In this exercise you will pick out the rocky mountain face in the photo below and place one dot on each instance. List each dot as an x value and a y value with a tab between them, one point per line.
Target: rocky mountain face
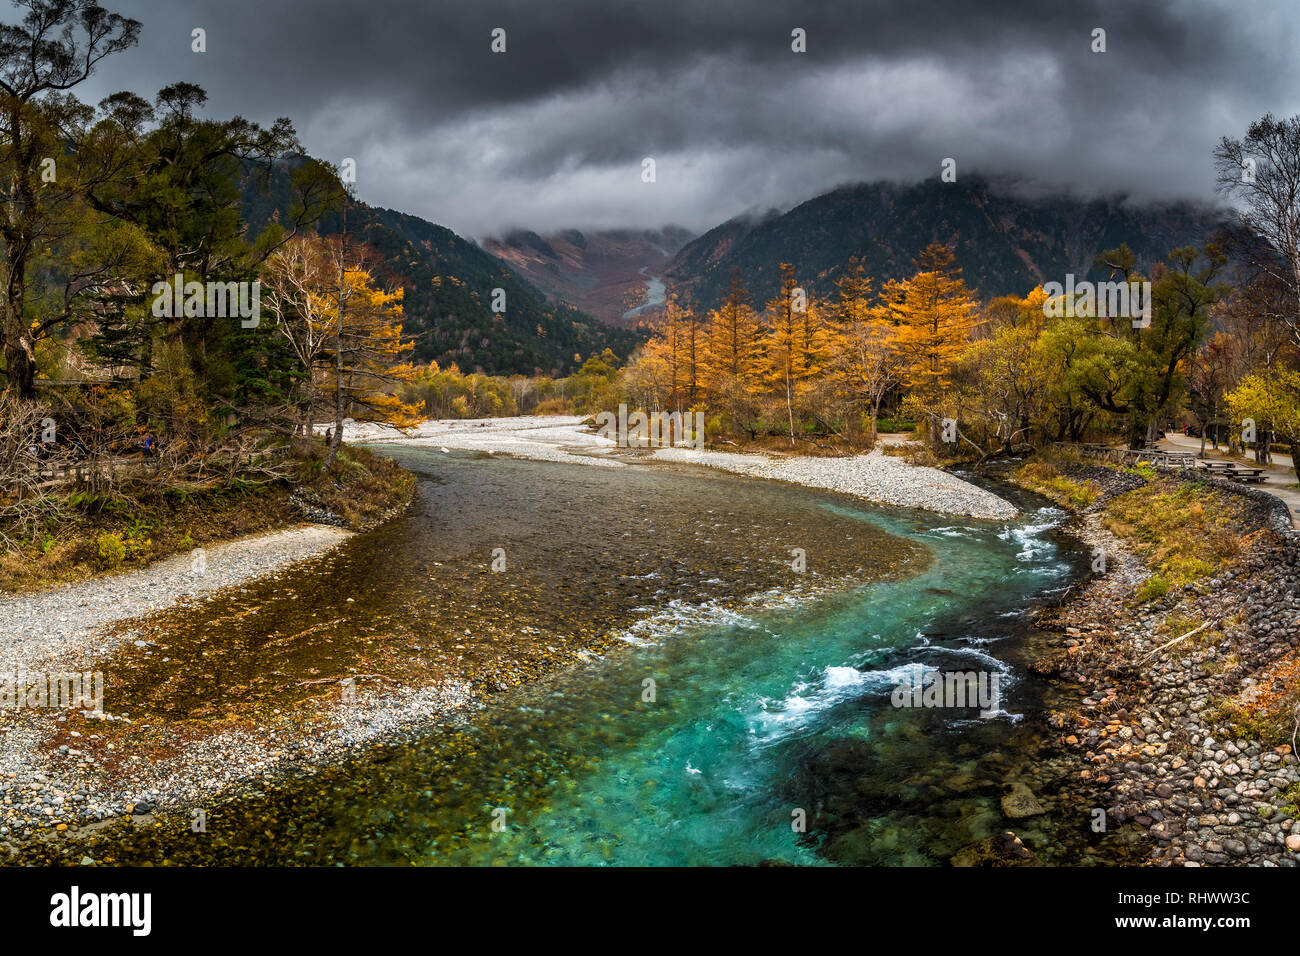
1006	243
610	274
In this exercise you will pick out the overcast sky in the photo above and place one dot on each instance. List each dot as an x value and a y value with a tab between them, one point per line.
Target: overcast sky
552	133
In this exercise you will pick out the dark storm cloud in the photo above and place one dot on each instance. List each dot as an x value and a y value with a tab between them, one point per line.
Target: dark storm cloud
552	133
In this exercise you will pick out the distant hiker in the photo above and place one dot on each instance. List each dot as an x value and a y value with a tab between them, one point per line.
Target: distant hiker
150	445
329	435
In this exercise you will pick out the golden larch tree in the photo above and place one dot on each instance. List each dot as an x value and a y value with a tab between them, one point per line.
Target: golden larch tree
934	314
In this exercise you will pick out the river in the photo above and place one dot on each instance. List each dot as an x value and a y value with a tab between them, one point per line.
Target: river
733	712
656	293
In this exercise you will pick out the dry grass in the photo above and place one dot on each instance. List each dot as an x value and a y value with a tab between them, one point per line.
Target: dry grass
103	535
92	535
1269	714
1042	476
361	487
1183	531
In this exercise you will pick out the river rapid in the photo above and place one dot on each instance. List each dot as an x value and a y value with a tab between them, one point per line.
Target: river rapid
721	656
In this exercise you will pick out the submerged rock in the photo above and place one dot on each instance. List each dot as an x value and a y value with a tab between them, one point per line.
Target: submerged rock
1020	802
1005	849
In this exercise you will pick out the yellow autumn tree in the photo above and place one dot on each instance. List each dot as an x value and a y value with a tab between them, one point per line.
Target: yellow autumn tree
365	354
673	358
934	315
795	343
345	332
694	345
300	296
734	355
372	347
1017	312
864	356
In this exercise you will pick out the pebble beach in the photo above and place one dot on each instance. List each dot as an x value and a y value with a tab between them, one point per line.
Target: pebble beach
873	477
1144	733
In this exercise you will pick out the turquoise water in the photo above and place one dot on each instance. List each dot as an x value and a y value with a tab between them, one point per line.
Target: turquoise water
770	735
755	718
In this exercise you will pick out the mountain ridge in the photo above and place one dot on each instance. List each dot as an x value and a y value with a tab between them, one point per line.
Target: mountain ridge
447	283
1005	244
603	273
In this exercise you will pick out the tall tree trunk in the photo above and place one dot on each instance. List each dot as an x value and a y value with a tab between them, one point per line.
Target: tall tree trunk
20	358
337	439
789	405
20	352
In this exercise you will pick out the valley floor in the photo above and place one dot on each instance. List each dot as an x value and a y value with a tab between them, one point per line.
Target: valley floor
873	477
1153	732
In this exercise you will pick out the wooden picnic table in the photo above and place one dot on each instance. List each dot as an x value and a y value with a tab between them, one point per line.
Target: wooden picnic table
1154	456
1235	472
1255	475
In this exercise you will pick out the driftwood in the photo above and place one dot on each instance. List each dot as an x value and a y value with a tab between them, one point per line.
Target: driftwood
1181	637
1005	451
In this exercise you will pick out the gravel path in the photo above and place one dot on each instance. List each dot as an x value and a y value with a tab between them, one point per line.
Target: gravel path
60	622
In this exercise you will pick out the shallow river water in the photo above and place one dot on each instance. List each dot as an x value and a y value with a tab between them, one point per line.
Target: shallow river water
716	705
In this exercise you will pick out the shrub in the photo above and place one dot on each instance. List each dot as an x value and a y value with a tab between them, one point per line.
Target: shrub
1270	713
1156	586
554	406
891	425
112	551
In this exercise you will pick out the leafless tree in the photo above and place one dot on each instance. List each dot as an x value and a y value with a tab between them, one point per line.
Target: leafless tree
1261	173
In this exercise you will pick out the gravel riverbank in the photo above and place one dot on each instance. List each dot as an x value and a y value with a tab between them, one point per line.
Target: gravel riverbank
49	785
53	625
874	477
1151	729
